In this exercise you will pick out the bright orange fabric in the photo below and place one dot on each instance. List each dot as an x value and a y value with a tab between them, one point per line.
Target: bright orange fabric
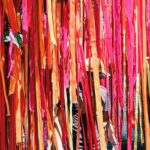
72	41
96	78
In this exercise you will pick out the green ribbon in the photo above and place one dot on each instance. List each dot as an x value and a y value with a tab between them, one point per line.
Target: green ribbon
17	39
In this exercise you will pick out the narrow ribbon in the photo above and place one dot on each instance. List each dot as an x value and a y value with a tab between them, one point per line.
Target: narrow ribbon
2	98
72	49
1	58
144	78
25	20
50	22
96	75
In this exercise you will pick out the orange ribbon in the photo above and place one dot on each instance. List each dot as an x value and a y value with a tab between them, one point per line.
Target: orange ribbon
72	41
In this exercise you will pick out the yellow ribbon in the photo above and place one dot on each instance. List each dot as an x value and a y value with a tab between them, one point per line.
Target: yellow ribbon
96	78
50	21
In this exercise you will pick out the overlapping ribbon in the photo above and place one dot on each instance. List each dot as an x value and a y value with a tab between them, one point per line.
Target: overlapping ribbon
35	77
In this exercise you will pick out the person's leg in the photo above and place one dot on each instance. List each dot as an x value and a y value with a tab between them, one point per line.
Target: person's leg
111	137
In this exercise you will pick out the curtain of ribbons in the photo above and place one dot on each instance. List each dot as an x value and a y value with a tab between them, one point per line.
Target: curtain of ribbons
43	47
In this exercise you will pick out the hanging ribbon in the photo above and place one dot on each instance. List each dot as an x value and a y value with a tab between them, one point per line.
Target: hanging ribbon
144	78
95	73
11	14
1	56
72	49
45	70
2	98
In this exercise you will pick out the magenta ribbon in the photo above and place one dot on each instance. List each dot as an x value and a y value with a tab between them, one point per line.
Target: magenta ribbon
131	68
2	100
25	21
32	96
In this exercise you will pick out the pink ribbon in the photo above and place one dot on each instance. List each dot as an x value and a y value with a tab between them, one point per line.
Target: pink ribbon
25	21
